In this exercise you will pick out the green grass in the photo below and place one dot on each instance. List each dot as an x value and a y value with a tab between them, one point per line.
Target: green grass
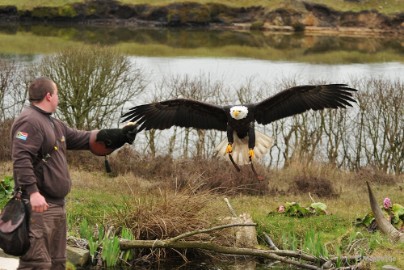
98	198
24	43
386	6
30	4
129	199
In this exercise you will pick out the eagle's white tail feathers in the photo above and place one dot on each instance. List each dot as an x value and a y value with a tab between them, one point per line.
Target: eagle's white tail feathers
240	147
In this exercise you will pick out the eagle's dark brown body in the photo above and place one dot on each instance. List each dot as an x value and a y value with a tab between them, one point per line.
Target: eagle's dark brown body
200	115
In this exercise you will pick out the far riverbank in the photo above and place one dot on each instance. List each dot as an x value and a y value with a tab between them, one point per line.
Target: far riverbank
291	16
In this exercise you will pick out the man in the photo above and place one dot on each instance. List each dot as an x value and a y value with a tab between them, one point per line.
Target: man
39	144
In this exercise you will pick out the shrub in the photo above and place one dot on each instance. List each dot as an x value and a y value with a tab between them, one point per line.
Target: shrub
95	82
314	185
199	174
5	146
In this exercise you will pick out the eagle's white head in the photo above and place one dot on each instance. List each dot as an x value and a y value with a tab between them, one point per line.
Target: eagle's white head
239	112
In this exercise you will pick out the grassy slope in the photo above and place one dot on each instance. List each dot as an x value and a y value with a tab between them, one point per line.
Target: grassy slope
127	198
105	195
386	6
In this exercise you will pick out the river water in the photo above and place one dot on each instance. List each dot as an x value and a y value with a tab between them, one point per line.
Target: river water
230	53
236	71
232	57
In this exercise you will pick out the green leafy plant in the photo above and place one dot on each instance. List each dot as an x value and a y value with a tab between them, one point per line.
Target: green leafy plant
84	230
293	209
6	185
110	251
70	266
100	232
127	234
392	212
314	244
338	253
6	189
397	211
290	241
311	243
319	208
93	245
105	244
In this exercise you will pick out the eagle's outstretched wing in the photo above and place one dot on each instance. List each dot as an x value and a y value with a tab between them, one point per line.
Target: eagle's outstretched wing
178	112
299	99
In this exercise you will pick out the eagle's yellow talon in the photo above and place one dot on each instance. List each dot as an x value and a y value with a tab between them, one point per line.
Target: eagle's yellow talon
251	153
229	149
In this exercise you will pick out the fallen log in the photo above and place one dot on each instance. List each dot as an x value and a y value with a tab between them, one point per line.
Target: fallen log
296	258
216	248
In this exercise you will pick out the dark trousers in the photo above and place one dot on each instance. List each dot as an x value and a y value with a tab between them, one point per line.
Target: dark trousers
47	233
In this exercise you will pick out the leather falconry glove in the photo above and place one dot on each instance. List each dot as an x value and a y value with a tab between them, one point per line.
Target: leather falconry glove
116	137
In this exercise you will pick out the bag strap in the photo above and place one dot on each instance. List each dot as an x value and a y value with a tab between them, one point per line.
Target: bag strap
42	156
17	193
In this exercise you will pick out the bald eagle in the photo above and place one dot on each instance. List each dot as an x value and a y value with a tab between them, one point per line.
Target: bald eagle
243	142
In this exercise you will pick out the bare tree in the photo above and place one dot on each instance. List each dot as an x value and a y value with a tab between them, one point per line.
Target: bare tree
202	89
95	83
381	125
12	99
12	89
371	133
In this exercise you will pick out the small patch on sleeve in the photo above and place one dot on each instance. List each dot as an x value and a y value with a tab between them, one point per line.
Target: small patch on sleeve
22	135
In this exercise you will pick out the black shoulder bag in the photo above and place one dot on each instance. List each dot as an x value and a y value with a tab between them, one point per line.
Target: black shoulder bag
14	234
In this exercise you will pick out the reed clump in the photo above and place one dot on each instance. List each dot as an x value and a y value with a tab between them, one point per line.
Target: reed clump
197	174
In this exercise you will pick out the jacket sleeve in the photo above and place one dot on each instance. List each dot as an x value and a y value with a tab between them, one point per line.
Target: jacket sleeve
26	142
76	139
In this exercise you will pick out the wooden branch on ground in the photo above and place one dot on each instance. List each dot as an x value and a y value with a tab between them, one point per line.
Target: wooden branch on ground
208	230
231	209
269	241
285	256
213	247
277	255
296	258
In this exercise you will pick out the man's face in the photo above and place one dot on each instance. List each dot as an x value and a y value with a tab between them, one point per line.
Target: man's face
54	99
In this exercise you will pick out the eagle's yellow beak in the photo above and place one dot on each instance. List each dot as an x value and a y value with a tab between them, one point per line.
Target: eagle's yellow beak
236	113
